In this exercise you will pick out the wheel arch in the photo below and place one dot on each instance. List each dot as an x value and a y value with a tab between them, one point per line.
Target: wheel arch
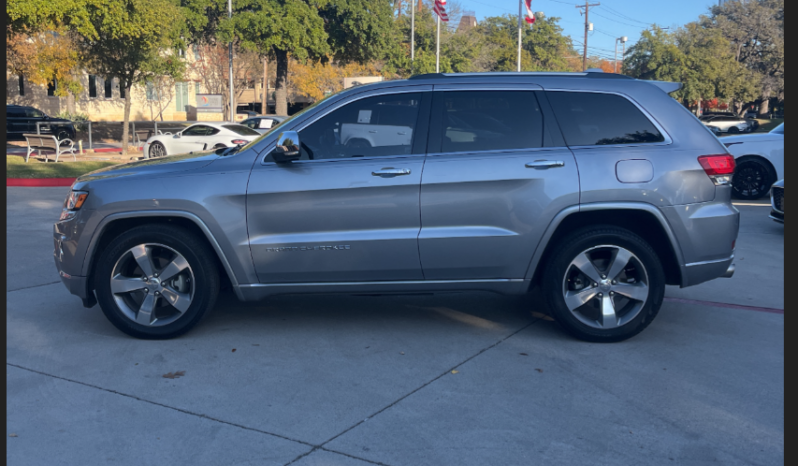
645	220
113	225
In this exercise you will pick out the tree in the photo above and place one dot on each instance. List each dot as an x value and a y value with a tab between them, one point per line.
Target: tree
212	67
132	41
43	58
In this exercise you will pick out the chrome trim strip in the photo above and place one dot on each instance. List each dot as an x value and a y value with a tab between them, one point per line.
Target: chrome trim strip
710	262
519	152
668	139
397	282
161	213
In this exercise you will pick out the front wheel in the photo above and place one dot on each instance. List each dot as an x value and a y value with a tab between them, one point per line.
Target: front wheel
157	150
734	130
604	284
156	281
752	180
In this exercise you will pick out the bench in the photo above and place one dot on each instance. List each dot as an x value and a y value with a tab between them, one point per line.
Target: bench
48	142
142	136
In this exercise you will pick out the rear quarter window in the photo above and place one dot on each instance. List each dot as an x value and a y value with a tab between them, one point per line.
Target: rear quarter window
595	119
241	130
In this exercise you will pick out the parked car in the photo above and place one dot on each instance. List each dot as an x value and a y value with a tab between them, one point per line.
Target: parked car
502	182
760	162
777	201
263	124
21	119
729	124
199	137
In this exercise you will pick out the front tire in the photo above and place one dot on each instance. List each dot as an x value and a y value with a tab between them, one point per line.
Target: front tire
604	284
156	281
752	180
734	130
157	150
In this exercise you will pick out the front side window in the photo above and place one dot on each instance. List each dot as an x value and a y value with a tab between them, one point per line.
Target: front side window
476	121
371	127
593	119
33	113
199	130
108	89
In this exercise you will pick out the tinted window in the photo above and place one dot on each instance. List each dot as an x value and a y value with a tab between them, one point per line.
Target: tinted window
15	112
242	130
33	113
199	130
489	120
591	119
375	126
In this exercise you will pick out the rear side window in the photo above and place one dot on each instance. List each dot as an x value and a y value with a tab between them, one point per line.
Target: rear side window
592	119
475	121
241	130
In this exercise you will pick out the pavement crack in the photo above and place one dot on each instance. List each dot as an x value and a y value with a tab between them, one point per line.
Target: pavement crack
184	411
32	286
448	371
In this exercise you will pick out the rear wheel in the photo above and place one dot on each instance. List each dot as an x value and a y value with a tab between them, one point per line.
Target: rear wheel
156	281
734	130
752	180
604	284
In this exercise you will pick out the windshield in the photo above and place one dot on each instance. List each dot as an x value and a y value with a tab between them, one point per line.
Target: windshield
778	129
241	129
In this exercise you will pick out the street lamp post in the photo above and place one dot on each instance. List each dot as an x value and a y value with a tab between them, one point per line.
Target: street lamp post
623	40
230	70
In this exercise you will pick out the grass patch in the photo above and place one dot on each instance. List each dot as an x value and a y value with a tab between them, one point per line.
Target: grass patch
17	168
766	125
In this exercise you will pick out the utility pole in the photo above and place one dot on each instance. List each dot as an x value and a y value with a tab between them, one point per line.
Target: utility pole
264	99
232	97
587	28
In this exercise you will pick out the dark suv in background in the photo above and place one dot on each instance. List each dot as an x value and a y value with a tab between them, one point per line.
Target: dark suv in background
21	120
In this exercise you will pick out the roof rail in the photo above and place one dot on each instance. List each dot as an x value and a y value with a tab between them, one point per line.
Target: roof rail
593	75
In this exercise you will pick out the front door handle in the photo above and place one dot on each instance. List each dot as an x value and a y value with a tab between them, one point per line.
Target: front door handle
390	171
544	164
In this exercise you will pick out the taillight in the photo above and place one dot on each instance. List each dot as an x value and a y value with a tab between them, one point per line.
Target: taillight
240	141
719	168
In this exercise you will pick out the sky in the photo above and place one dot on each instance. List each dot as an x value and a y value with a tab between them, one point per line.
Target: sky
612	19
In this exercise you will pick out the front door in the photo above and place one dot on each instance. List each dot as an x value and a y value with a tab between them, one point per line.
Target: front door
192	139
348	210
496	174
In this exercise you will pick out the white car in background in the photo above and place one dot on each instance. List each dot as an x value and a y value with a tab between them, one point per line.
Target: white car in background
760	162
729	123
198	137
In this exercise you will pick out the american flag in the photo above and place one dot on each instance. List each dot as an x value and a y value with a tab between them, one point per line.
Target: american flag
440	9
530	17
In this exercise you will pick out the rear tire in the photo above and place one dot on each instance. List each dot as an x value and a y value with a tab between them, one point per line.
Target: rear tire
733	130
136	301
603	284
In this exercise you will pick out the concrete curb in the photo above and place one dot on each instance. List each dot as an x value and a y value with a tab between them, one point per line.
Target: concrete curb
39	182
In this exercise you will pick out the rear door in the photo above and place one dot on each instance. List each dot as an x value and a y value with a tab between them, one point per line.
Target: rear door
496	174
348	210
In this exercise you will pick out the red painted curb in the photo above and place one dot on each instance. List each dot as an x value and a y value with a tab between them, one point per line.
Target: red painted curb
40	182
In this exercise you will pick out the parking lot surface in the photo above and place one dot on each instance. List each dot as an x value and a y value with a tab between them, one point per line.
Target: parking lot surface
445	379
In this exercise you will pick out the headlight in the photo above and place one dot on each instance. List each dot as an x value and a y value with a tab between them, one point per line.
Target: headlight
73	203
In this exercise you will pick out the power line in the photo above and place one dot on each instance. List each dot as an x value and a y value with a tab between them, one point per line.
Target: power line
623	16
620	22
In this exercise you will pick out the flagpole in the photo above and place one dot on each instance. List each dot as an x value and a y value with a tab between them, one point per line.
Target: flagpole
438	48
412	35
519	35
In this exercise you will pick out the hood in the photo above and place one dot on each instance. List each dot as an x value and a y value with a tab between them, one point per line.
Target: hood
149	168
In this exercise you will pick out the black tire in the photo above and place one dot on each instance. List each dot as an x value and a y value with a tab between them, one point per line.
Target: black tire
219	146
733	130
752	179
202	264
157	150
62	134
554	282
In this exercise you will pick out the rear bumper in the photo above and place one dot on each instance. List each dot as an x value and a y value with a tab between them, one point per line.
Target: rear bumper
693	274
777	216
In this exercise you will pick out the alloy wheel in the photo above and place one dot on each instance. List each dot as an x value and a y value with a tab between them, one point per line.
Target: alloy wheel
157	150
152	284
750	181
605	286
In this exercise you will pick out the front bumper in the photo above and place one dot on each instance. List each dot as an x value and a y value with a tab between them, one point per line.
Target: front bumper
77	285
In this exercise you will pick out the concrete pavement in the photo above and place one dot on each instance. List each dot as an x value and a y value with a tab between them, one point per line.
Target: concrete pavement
455	379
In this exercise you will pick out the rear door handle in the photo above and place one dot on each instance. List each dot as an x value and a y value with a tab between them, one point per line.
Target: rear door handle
544	164
390	171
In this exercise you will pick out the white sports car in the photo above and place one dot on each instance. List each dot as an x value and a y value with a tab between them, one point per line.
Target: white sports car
760	162
198	137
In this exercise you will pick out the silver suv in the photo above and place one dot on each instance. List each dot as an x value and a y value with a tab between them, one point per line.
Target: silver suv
597	188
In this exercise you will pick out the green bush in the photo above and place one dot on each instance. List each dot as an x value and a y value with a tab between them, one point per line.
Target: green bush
79	119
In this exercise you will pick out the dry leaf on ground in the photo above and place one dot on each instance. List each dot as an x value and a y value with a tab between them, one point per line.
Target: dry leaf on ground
174	375
539	370
12	435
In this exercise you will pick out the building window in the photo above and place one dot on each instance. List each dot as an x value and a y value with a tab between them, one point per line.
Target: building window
196	88
92	86
181	96
195	49
21	85
151	94
51	86
108	90
121	89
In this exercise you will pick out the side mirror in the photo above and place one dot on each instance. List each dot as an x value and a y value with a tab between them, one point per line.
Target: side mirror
287	147
179	135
